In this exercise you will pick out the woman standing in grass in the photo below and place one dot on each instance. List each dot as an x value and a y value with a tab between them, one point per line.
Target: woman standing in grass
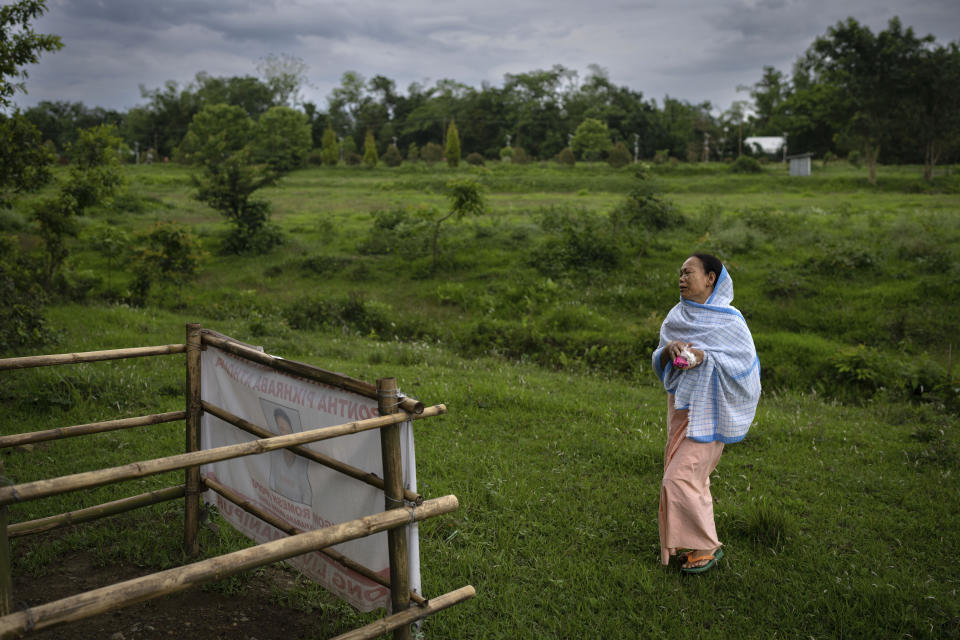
708	364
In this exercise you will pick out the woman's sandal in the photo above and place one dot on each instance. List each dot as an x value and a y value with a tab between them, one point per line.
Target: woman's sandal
711	558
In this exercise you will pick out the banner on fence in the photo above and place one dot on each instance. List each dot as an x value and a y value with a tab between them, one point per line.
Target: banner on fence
303	493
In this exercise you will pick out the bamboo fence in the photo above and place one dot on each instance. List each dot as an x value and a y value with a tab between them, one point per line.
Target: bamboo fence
402	506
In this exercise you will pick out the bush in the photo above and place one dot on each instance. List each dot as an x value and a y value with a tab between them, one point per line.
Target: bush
392	157
854	158
661	156
431	153
576	241
619	156
21	314
506	154
413	152
745	164
475	159
353	159
643	210
565	157
520	156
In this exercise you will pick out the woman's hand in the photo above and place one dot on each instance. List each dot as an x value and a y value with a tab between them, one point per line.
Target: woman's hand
675	348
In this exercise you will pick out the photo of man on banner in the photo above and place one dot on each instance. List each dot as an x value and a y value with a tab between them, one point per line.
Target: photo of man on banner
289	475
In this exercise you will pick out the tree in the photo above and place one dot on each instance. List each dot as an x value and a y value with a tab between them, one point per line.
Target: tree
619	156
285	75
453	145
282	139
94	178
591	139
24	160
935	96
871	78
330	150
465	200
370	150
168	253
218	141
20	45
392	157
215	133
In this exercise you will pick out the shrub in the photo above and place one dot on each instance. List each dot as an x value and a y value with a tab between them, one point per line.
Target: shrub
329	150
661	156
453	145
854	158
565	157
828	157
392	157
370	157
520	156
619	156
169	254
353	159
431	153
643	210
413	152
475	159
745	164
575	241
21	314
506	154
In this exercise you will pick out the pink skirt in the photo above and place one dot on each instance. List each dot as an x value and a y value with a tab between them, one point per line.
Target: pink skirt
686	506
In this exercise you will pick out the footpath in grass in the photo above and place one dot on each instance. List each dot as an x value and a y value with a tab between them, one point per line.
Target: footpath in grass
837	519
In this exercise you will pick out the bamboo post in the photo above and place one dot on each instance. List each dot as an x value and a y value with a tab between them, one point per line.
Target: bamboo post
6	581
390	451
191	507
130	592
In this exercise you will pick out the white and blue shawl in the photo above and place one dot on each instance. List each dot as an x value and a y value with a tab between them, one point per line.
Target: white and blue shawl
721	393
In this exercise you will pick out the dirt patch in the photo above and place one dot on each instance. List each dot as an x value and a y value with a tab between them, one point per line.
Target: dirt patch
197	614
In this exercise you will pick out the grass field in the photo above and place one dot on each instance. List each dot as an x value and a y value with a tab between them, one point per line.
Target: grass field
838	511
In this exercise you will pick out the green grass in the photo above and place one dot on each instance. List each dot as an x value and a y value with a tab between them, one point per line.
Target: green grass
837	510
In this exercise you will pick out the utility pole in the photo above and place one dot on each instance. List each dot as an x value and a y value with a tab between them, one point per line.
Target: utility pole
706	146
784	147
636	148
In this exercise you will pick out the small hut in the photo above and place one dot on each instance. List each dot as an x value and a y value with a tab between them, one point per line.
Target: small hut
800	164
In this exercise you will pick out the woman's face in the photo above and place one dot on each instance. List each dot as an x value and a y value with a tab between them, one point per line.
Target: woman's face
696	284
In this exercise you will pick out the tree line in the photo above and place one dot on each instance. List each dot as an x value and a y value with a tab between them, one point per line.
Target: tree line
889	96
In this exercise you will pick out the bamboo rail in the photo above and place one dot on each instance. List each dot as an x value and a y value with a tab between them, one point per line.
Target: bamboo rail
20	439
289	529
406	618
179	579
301	369
43	488
89	356
344	468
40	525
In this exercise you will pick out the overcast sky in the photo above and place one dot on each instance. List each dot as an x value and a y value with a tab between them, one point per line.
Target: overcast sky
687	49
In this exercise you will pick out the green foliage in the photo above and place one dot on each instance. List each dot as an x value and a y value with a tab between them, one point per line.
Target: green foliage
282	139
453	145
21	315
661	156
854	158
94	177
413	152
566	158
24	160
643	211
591	139
619	156
370	150
217	132
506	153
745	164
392	157
576	242
475	159
167	254
20	45
111	242
228	186
520	156
330	150
431	153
